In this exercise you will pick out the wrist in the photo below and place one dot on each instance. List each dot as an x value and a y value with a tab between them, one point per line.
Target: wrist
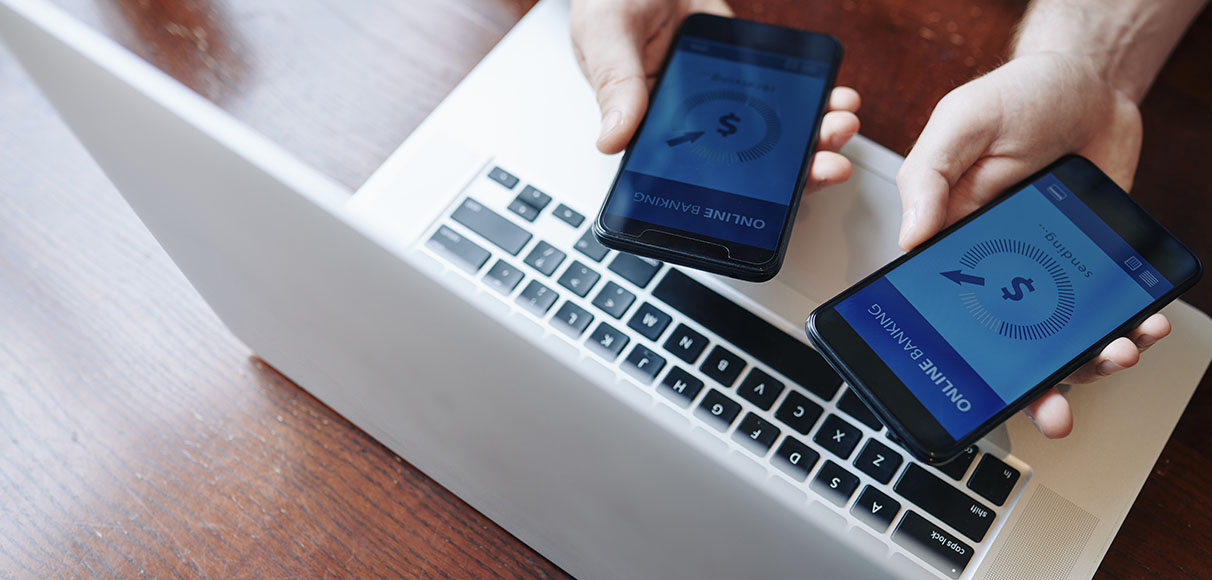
1125	41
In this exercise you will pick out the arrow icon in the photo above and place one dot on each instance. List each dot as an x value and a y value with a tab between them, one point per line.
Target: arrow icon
960	278
689	137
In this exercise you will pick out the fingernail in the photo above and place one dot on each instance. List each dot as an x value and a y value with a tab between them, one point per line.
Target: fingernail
1108	368
610	121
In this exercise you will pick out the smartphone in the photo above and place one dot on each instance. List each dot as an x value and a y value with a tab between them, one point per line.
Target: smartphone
953	338
713	176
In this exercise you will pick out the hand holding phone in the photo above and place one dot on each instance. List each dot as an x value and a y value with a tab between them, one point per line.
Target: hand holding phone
713	176
951	339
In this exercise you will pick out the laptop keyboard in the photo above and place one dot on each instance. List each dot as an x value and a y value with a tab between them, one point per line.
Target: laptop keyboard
727	369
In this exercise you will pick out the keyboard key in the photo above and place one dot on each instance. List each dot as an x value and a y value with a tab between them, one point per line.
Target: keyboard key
717	409
606	341
534	198
634	269
503	177
545	258
755	434
614	300
878	461
838	436
579	278
537	298
874	508
681	387
956	468
993	479
686	344
643	364
795	459
523	210
571	319
798	412
489	224
589	246
722	365
649	321
760	389
461	251
855	407
568	216
940	499
777	349
503	277
933	544
835	483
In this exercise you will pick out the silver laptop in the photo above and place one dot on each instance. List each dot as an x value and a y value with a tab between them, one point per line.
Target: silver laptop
625	418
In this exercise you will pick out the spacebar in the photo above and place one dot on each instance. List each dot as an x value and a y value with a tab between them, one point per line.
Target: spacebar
794	359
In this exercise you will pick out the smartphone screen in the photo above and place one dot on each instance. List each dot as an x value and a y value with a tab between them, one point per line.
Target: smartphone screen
974	321
721	155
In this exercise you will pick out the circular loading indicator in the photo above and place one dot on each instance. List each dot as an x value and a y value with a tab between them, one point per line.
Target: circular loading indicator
770	118
1060	315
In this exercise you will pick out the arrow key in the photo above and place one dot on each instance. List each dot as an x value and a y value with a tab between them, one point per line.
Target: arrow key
875	509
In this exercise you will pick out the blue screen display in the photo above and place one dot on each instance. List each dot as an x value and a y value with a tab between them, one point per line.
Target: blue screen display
977	319
723	142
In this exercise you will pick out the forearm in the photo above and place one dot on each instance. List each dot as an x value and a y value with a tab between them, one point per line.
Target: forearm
1125	41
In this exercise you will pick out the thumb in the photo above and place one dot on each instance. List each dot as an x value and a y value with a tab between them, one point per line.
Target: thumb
956	136
609	50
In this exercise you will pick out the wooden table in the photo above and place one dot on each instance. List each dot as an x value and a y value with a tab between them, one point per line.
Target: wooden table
139	437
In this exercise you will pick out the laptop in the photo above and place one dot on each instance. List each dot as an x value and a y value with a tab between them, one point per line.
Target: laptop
625	418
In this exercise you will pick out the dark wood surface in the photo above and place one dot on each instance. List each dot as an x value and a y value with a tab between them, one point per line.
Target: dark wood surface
139	438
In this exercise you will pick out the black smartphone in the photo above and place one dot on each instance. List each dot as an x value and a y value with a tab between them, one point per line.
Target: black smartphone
713	176
951	339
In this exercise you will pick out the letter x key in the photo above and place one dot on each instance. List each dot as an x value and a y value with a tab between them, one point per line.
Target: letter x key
837	436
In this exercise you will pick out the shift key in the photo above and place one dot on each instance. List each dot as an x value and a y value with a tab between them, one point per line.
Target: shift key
496	229
954	507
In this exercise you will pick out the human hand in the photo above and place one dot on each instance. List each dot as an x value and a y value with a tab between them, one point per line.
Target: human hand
620	45
994	131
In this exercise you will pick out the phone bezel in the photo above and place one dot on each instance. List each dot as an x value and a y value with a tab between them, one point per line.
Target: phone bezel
700	251
917	429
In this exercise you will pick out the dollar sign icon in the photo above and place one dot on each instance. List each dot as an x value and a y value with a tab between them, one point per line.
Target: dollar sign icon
1018	293
728	127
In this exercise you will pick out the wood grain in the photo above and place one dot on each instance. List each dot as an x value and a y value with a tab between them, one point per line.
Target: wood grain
137	437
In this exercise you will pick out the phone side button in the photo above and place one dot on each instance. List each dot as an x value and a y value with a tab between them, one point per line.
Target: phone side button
933	544
968	516
855	407
956	468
